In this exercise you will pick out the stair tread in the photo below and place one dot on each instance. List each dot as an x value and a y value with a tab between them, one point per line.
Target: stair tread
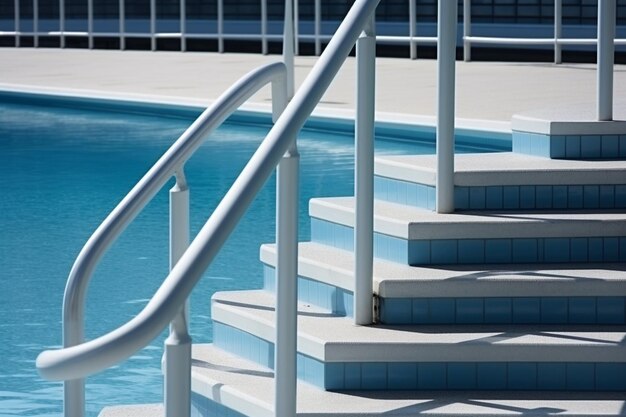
249	389
133	410
414	223
503	168
336	267
328	337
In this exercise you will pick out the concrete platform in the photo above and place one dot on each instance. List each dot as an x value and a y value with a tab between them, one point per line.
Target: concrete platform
394	280
405	89
416	224
503	168
336	339
248	388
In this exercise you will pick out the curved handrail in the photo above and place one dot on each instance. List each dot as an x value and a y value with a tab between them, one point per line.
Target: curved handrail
92	356
171	161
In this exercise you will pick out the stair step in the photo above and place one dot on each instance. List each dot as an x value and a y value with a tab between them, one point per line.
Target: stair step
560	294
504	181
219	378
419	237
336	354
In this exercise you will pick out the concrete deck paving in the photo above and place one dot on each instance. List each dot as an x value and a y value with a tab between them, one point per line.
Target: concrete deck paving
485	90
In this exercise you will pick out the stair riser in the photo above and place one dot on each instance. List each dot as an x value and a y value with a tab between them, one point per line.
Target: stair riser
336	300
503	310
570	146
513	197
476	251
505	376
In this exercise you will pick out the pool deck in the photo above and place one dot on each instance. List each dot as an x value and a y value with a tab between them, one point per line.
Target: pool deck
406	89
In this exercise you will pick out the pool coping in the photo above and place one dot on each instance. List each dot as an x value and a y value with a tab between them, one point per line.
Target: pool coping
335	119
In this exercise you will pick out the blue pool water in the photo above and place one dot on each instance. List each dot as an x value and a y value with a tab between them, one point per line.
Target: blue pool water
62	171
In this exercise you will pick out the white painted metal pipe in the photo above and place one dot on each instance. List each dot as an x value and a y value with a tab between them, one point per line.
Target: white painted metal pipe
122	13
36	23
153	39
112	227
264	27
467	30
412	19
220	26
183	26
296	27
286	284
318	27
288	47
16	11
90	23
177	347
446	57
364	175
62	23
558	30
606	58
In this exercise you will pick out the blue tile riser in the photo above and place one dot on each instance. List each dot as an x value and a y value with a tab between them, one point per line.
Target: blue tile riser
507	376
504	310
508	197
570	146
477	251
336	300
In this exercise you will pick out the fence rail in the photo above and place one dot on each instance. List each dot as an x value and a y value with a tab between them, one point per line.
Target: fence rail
317	36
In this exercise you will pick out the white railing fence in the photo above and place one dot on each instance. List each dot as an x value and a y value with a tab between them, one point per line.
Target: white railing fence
317	36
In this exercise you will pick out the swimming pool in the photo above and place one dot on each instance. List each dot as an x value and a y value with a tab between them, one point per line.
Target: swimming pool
62	169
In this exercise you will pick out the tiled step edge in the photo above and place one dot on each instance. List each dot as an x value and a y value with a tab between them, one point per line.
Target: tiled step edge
523	294
248	389
328	338
419	237
504	181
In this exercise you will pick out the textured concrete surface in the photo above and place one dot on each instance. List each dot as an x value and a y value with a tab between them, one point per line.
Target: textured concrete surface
330	338
391	279
489	91
503	168
244	385
400	221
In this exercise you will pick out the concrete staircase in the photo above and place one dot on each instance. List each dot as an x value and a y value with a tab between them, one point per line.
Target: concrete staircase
513	305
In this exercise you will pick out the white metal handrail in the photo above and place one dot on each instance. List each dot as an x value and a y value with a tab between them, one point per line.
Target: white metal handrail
79	359
101	353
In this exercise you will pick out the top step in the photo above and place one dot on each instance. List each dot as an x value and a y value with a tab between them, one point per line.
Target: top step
504	181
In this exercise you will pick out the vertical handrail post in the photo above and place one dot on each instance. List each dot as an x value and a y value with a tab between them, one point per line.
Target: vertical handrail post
467	30
16	11
296	28
364	174
220	26
177	355
122	13
288	47
264	27
606	58
287	192
183	26
36	23
558	30
318	27
62	23
446	57
412	18
153	25
90	23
